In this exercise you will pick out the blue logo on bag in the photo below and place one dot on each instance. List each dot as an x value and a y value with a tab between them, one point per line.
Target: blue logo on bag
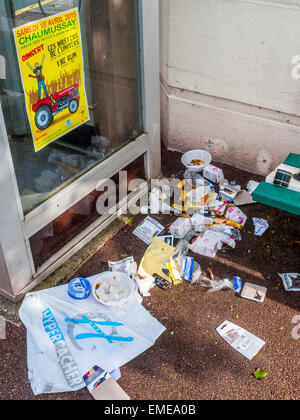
99	333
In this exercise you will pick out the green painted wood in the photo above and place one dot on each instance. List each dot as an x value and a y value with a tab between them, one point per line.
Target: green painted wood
293	160
280	198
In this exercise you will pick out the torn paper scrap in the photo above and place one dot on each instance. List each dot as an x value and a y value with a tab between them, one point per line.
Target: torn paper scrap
260	225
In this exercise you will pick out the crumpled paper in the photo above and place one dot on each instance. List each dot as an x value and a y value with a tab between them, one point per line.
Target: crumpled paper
260	225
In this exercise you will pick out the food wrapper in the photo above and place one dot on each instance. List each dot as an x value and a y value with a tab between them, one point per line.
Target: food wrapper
174	272
181	227
234	214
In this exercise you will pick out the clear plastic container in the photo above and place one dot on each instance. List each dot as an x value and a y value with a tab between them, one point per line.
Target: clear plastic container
214	286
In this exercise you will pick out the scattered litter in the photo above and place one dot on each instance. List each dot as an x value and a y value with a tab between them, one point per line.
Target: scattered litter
228	192
260	374
181	227
73	315
148	229
145	285
194	177
210	242
251	186
240	339
215	286
157	202
168	239
113	289
188	269
199	222
291	281
243	198
174	272
162	283
260	225
128	266
213	174
254	292
234	214
196	160
219	207
154	259
206	245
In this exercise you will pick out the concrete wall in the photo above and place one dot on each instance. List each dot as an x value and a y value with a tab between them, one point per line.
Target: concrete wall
226	79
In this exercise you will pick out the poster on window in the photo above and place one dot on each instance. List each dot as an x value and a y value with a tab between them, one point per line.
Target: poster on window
51	64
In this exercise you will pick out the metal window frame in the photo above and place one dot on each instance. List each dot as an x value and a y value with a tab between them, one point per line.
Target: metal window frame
16	228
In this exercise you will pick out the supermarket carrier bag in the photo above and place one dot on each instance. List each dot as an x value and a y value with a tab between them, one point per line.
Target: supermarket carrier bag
72	344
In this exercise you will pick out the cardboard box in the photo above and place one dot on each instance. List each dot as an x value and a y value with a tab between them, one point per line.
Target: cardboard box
228	192
213	174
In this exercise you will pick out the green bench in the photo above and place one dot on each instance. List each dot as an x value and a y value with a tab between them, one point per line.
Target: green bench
280	198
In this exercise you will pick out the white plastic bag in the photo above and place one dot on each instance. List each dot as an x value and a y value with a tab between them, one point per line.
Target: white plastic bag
68	338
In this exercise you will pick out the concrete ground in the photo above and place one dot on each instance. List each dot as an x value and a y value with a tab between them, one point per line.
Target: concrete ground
190	361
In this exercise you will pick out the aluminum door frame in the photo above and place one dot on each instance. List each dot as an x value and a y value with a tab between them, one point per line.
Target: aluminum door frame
16	228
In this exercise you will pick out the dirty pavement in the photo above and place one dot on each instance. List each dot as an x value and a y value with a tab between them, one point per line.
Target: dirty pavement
189	360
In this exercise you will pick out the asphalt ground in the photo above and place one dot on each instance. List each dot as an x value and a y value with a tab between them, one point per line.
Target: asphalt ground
190	361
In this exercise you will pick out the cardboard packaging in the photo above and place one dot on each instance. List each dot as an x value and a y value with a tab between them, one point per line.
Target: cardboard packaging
228	192
254	292
213	174
110	390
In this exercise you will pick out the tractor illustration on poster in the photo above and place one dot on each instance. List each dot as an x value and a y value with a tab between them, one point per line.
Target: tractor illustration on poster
45	109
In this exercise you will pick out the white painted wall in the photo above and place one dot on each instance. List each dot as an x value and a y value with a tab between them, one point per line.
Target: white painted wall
226	76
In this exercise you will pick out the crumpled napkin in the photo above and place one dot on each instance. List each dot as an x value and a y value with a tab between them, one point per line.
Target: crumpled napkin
260	225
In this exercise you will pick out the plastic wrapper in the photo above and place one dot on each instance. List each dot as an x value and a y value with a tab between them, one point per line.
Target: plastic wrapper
207	245
215	286
234	214
210	242
128	266
227	230
190	270
181	227
199	222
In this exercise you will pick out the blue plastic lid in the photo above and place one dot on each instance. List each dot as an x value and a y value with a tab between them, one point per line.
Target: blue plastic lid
79	288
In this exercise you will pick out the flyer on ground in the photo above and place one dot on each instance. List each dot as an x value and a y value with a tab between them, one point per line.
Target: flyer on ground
51	63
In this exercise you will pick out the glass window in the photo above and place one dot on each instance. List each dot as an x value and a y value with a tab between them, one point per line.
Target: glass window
53	237
109	36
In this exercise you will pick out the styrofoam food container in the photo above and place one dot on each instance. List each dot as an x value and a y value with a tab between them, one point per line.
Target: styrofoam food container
113	288
188	157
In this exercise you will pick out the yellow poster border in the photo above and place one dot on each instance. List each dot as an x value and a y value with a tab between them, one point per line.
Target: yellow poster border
22	79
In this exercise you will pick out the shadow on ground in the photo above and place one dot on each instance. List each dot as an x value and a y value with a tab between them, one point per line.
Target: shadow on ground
190	361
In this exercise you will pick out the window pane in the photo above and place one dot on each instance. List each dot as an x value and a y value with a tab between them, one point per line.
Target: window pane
109	36
70	224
